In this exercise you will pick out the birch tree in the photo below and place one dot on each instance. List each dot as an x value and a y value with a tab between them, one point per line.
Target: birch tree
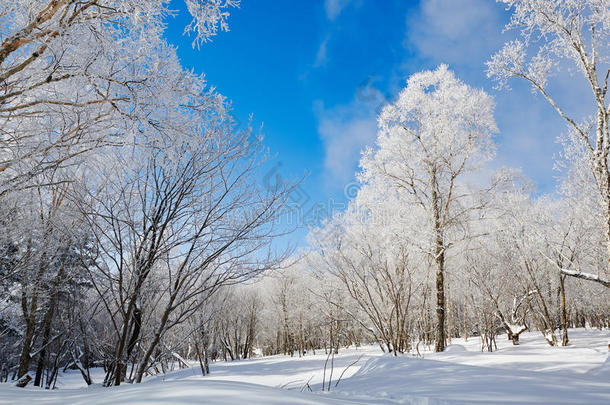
577	32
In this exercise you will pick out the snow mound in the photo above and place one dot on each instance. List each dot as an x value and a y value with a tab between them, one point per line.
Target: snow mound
455	349
377	365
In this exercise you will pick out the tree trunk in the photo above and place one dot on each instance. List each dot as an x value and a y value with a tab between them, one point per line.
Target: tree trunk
23	381
564	312
30	324
439	259
206	362
46	323
200	358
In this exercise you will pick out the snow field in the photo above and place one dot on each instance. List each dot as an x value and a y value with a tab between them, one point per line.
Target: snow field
531	373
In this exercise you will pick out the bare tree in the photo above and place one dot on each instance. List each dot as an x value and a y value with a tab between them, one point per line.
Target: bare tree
179	225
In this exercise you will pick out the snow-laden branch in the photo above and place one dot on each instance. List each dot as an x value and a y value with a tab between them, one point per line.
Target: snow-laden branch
587	276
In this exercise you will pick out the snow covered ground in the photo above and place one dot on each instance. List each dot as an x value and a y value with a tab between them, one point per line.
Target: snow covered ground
526	374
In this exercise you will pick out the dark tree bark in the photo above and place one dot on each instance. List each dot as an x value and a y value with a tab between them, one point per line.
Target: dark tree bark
564	312
439	259
47	322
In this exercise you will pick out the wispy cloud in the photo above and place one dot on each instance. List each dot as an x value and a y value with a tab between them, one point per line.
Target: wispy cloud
461	32
334	7
346	129
322	55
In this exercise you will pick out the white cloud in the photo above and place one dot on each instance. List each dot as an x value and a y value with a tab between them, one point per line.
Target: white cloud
334	7
461	32
346	129
321	55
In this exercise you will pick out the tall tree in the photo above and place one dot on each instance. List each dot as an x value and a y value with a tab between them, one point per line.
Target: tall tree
576	32
437	131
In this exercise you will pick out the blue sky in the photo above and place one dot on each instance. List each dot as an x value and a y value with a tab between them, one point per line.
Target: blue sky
314	73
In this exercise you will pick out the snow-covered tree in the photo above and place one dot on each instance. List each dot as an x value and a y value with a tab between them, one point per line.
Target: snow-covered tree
79	75
437	132
576	32
368	251
172	226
